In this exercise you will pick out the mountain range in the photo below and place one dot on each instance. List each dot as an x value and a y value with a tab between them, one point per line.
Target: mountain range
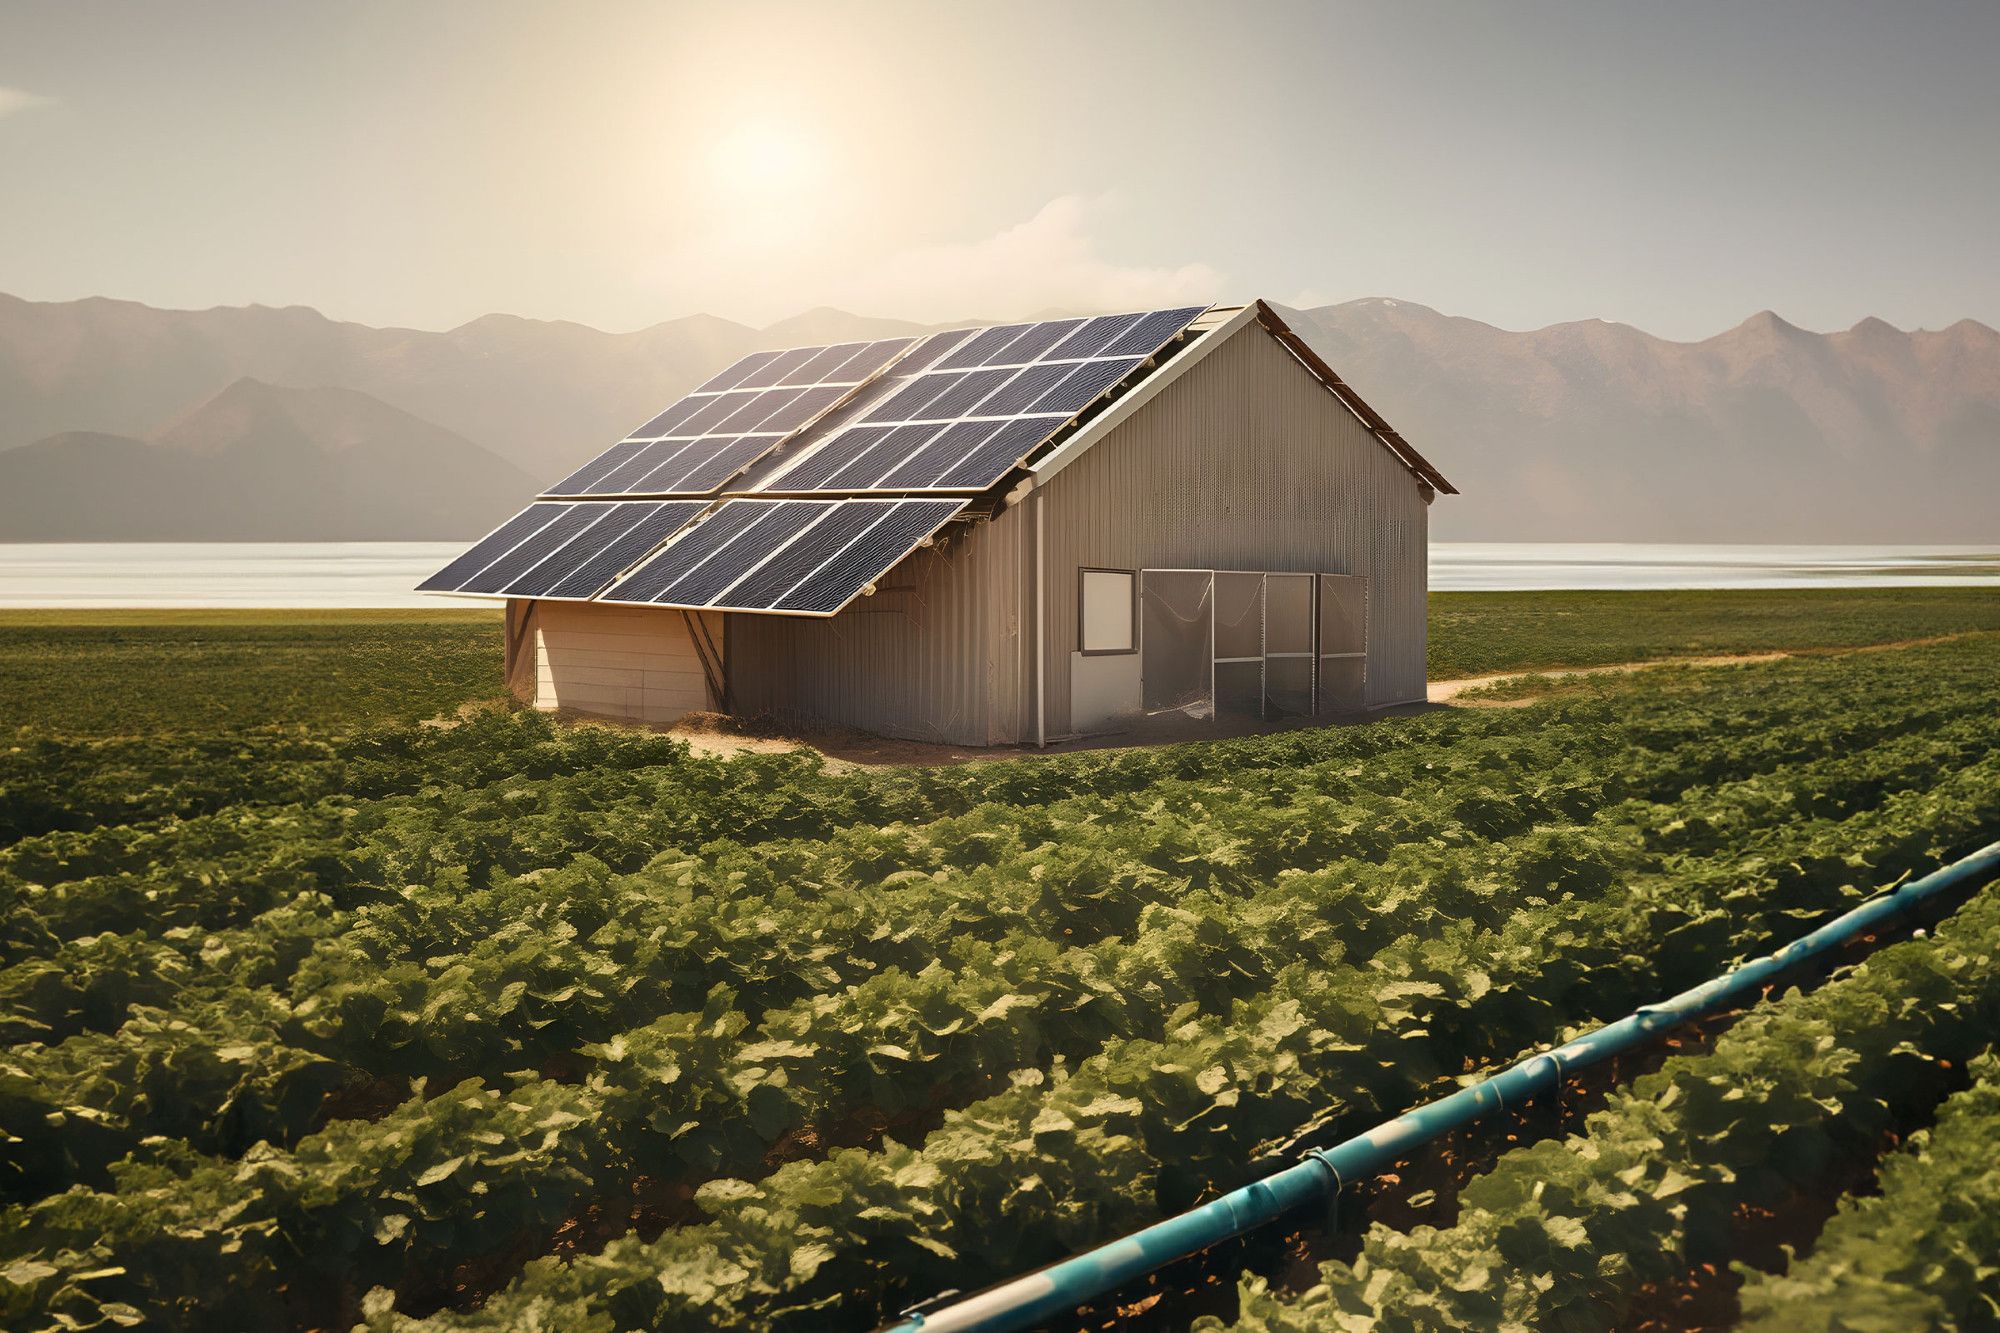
119	421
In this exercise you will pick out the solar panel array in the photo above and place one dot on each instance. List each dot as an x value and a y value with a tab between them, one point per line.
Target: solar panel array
730	422
563	549
962	409
805	557
955	412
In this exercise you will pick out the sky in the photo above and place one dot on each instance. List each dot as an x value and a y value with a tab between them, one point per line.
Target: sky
1672	166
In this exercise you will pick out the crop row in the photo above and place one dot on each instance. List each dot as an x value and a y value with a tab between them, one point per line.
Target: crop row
1585	1232
526	993
1922	1253
409	1194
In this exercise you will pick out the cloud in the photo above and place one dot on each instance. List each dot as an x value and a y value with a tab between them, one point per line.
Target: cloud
20	99
1049	262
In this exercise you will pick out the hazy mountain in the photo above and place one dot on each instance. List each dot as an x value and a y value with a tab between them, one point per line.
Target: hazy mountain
1597	431
260	463
1584	431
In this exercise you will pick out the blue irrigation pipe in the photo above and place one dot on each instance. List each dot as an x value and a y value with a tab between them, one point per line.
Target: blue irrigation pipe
1029	1300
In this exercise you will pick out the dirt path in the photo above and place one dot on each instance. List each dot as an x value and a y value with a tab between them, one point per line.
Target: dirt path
1445	691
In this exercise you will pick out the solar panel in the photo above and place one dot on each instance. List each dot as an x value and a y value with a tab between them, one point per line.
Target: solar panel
807	557
731	421
661	576
872	553
659	520
562	548
1043	373
491	547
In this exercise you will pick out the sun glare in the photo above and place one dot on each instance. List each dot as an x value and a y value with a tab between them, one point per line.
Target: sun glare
765	159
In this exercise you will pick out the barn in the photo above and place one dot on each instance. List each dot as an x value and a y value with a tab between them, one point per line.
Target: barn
995	536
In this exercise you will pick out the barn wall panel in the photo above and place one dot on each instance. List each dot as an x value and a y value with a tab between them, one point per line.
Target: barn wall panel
1244	462
629	663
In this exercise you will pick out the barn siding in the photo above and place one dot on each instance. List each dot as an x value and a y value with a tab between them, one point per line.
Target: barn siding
934	655
1244	462
620	662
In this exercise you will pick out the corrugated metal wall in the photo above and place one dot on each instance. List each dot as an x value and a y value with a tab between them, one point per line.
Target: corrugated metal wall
1245	462
934	655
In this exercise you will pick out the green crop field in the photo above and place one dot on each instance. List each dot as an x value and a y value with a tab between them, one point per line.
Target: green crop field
320	1013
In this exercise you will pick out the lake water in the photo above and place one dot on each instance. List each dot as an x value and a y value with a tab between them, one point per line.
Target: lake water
381	574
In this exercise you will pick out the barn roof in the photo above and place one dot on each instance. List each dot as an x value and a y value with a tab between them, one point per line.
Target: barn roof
793	480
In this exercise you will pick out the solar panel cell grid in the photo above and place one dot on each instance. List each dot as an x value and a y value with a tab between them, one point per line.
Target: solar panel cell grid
1019	394
816	468
490	548
733	374
537	547
866	472
1035	342
908	402
1095	335
713	412
650	459
658	576
927	352
894	532
813	547
1084	384
959	398
747	417
664	423
1145	337
821	365
923	467
778	370
865	362
577	481
660	521
608	523
719	465
993	457
708	582
984	347
808	404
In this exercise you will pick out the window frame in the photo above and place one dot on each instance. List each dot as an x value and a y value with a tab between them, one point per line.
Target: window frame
1131	611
